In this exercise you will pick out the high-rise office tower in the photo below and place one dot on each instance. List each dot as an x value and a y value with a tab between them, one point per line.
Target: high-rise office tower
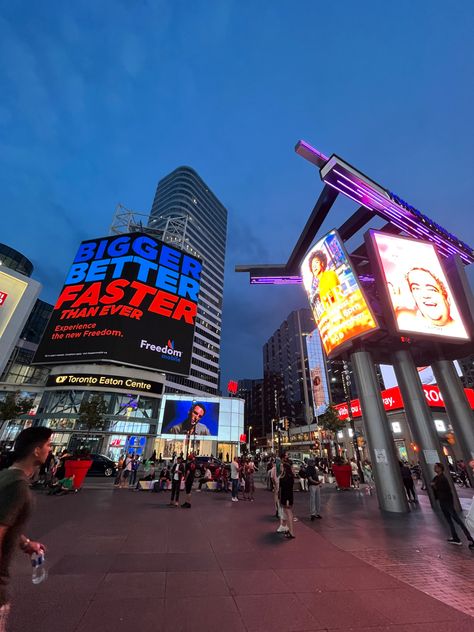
191	218
287	386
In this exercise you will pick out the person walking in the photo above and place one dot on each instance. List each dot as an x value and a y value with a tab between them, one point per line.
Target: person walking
408	483
274	477
126	471
235	477
314	484
120	463
287	482
355	474
189	471
444	495
275	473
134	470
177	472
31	450
250	479
368	476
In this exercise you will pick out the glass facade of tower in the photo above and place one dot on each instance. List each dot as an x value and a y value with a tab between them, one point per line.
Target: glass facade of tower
182	196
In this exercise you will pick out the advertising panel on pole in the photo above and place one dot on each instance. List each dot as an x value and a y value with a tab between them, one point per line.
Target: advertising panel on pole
130	299
317	371
417	290
425	372
340	309
183	417
18	294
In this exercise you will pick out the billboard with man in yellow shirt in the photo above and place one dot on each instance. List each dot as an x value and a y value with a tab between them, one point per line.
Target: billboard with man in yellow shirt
340	309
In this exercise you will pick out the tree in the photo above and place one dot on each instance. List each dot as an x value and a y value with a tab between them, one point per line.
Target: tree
13	406
92	413
330	420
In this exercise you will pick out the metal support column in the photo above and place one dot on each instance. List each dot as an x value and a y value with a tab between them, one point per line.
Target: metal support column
420	422
388	480
459	411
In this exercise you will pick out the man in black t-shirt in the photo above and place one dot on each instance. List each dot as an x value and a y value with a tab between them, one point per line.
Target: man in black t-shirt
189	480
444	495
31	450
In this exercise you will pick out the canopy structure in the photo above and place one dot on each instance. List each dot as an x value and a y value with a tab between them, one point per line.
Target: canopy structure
373	200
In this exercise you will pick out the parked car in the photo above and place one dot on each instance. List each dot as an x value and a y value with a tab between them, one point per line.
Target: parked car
102	466
207	461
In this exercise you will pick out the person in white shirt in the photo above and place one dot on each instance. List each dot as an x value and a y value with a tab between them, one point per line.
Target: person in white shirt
235	477
207	478
355	474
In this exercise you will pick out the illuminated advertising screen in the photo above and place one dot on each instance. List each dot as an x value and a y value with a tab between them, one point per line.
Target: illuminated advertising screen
130	299
11	291
317	371
339	307
425	372
416	287
196	417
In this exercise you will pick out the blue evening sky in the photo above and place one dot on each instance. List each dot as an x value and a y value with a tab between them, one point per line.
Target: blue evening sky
99	100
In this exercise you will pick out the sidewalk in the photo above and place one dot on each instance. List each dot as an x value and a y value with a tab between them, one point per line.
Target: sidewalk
120	560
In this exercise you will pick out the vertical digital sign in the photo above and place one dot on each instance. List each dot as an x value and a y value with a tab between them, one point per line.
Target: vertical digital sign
418	293
317	371
130	299
339	307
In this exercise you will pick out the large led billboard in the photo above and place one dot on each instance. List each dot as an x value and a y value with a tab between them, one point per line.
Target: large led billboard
416	287
18	294
339	307
130	299
11	291
195	417
317	371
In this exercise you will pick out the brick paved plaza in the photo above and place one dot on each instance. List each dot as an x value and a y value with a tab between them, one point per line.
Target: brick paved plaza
120	560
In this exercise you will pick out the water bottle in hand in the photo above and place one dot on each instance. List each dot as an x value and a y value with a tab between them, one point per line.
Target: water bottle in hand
38	564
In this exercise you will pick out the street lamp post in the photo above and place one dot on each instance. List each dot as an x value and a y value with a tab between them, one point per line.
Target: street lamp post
346	383
250	440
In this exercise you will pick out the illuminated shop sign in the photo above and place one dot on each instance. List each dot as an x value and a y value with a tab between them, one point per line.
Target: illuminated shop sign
130	299
416	288
96	380
339	307
392	400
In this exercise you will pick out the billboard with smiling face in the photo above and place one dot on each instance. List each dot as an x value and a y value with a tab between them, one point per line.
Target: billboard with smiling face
416	288
130	299
340	309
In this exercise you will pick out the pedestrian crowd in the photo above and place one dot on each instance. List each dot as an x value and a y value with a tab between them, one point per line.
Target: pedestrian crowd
33	460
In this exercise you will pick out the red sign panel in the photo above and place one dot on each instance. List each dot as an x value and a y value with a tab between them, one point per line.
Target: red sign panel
392	400
232	386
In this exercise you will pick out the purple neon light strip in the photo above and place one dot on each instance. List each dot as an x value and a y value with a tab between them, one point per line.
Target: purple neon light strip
314	151
372	193
399	212
381	201
394	217
281	280
369	208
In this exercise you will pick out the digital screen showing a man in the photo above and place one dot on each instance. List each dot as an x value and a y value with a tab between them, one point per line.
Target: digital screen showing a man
194	418
339	307
419	291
